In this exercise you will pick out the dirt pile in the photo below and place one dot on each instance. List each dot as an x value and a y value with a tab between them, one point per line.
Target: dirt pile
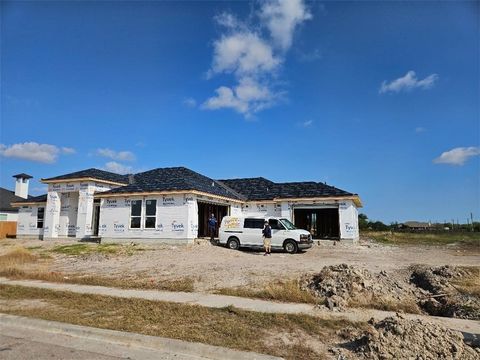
399	338
343	285
435	290
443	297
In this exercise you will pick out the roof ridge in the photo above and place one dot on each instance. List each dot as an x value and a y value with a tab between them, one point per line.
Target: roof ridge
248	178
94	173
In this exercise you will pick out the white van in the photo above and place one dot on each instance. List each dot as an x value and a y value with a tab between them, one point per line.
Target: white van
238	231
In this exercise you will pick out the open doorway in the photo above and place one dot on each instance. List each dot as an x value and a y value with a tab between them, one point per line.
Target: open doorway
96	217
204	212
321	223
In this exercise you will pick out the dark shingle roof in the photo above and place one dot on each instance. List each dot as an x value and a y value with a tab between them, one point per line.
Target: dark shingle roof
183	179
7	197
174	179
93	173
33	199
263	189
252	188
309	189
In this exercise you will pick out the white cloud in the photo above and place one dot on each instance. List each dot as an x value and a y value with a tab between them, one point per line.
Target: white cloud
44	153
118	168
229	21
225	98
457	156
408	82
420	129
246	98
190	102
116	155
242	53
68	150
282	17
253	53
307	123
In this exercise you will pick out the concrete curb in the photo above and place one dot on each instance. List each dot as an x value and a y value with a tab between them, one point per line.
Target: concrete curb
116	343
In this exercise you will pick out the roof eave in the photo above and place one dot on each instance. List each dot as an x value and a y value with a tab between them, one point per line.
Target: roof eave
19	204
355	198
55	181
171	192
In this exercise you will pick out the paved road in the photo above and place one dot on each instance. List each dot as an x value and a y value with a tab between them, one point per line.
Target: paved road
15	348
219	301
23	338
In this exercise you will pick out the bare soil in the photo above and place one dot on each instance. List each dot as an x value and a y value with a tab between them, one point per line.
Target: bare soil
387	339
383	271
439	290
214	267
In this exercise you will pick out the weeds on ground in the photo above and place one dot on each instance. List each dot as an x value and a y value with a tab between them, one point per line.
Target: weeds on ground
12	266
284	291
230	327
470	283
39	247
87	249
182	284
16	258
465	239
370	301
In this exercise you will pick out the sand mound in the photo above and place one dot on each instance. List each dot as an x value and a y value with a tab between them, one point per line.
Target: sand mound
431	289
399	338
343	285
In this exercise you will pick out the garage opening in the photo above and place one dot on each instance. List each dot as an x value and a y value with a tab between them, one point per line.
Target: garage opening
321	223
204	211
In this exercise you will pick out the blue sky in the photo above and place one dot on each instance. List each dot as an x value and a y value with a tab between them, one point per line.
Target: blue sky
377	98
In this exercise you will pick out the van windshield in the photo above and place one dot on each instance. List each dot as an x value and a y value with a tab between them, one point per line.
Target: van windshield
288	224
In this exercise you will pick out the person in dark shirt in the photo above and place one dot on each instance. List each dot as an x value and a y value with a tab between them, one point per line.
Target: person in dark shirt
267	238
212	226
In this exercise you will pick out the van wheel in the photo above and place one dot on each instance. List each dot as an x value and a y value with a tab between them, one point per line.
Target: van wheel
290	246
233	244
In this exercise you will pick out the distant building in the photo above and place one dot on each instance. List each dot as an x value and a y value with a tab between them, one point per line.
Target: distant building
416	225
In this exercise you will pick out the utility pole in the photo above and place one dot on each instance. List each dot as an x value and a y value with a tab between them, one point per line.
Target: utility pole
471	218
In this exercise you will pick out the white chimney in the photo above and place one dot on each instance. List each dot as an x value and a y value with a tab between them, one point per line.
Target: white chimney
21	185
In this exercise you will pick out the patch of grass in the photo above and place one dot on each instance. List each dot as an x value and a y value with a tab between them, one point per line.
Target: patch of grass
372	302
284	291
229	327
87	249
466	239
74	249
186	284
34	247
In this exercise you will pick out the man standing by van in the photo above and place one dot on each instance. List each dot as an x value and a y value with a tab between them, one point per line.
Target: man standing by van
212	226
267	238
